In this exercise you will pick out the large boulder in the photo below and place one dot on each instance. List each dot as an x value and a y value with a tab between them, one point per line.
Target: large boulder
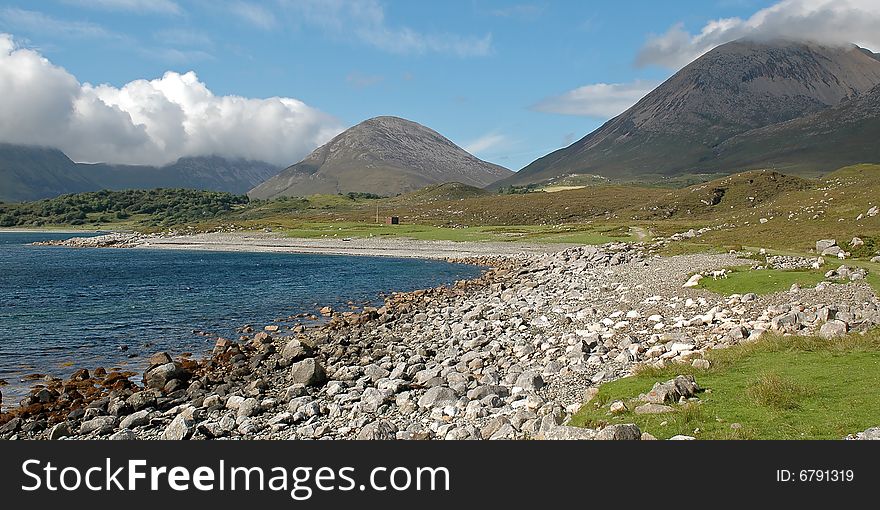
833	329
438	396
179	429
824	244
160	375
296	350
308	372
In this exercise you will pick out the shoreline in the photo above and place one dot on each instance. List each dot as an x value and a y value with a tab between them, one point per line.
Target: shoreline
511	354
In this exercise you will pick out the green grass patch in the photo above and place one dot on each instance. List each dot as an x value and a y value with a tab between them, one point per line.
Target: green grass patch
776	388
574	234
761	281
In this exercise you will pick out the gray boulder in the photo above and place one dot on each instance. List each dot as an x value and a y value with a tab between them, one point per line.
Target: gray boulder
832	329
308	372
179	429
438	396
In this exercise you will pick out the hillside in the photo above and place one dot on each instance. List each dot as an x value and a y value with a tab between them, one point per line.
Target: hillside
845	134
385	156
32	173
735	88
213	173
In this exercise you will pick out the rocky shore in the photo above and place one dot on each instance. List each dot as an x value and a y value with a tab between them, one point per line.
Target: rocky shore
509	355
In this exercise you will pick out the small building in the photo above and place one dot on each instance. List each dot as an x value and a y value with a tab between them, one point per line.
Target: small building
392	220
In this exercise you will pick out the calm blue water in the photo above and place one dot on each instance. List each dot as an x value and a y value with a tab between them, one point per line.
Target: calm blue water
63	306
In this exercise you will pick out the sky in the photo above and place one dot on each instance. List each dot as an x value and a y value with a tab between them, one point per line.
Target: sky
149	81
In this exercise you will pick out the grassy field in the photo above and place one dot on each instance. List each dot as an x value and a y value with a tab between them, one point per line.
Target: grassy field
762	281
576	234
776	388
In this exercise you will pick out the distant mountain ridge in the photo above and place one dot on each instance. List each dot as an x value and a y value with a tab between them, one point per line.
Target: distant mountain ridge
382	155
32	173
734	88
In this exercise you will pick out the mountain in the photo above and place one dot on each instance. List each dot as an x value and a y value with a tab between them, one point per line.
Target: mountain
839	136
736	87
213	173
32	173
382	155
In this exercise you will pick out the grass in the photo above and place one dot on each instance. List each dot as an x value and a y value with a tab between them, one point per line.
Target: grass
776	388
762	281
575	234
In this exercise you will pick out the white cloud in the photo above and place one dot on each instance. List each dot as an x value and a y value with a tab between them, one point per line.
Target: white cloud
253	13
834	22
148	121
140	6
364	20
600	100
485	143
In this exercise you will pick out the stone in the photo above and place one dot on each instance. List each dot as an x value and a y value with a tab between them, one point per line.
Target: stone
135	419
142	400
481	392
160	358
248	408
294	350
693	281
681	437
650	408
622	432
380	430
833	329
567	433
124	435
618	407
100	425
308	372
60	430
529	381
856	242
700	363
824	244
179	429
438	396
662	393
161	375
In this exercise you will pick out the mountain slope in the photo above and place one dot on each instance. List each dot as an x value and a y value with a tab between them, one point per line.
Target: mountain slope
734	88
207	173
385	156
843	135
31	173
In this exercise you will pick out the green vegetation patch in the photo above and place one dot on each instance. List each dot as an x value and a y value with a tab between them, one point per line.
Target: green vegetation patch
761	281
145	208
776	388
574	234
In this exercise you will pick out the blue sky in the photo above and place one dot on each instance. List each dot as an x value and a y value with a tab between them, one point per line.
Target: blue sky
500	78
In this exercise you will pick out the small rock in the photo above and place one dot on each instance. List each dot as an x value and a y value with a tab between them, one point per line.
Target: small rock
623	432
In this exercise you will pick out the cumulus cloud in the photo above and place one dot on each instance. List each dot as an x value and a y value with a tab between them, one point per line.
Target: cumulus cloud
140	6
835	22
599	100
148	121
365	21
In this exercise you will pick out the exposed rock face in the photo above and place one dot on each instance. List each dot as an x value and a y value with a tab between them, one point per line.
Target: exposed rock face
385	156
735	88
